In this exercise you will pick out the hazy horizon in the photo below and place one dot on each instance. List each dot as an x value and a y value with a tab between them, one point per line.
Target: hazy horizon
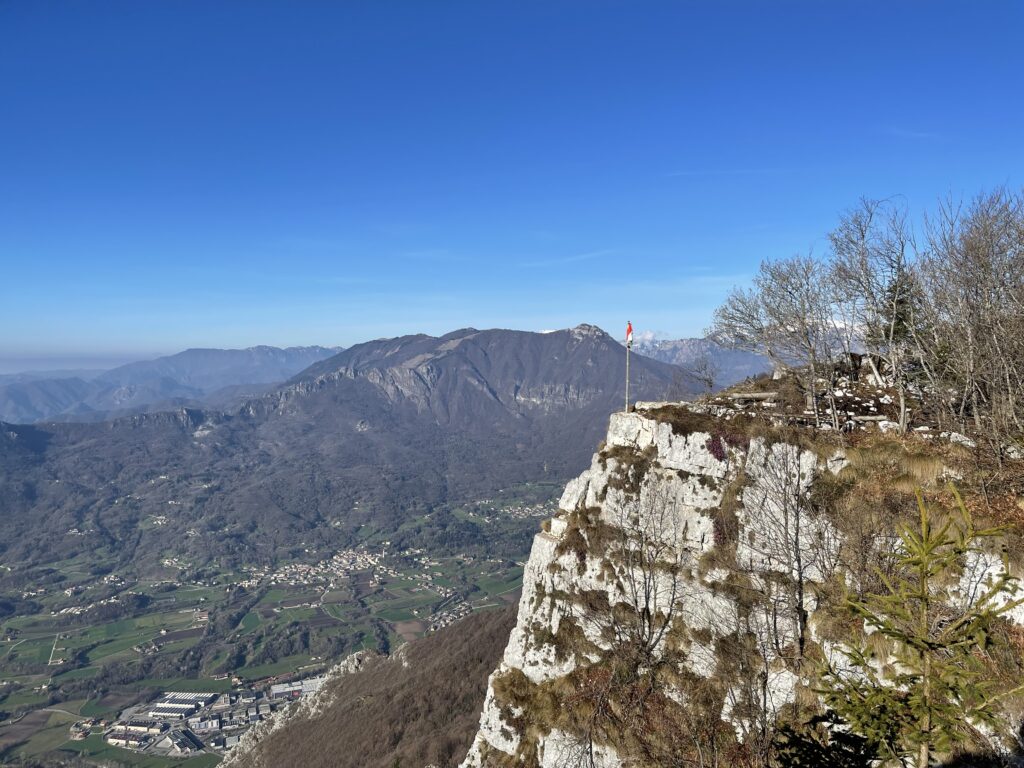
72	364
194	174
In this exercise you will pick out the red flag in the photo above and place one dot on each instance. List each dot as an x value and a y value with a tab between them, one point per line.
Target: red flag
629	334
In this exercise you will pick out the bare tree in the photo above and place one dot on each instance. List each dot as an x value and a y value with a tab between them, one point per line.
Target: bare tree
970	328
788	317
645	552
703	369
872	247
649	557
788	543
951	318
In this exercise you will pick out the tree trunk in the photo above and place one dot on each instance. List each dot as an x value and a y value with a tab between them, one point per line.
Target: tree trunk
874	369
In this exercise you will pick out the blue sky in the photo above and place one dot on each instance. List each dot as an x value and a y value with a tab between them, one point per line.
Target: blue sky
182	173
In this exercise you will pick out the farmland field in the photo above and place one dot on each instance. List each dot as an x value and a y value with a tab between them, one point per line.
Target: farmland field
95	644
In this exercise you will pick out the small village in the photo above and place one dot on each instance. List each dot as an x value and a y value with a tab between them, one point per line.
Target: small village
488	510
329	573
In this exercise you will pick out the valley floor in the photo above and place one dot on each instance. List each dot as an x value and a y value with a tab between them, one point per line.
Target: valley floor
99	644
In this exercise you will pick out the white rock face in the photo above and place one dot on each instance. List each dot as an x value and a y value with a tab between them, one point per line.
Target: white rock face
683	487
561	750
521	653
782	537
493	733
704	499
982	571
958	439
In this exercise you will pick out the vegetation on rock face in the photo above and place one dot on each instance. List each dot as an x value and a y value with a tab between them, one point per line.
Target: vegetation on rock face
932	686
813	622
780	591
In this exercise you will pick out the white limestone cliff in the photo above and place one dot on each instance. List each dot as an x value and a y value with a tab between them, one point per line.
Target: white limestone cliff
732	511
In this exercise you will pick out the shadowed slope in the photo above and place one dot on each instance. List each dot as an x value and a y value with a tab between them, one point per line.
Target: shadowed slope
420	707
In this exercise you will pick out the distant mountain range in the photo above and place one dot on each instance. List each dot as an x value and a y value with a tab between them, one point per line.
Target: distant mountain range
195	377
365	440
66	373
726	366
219	378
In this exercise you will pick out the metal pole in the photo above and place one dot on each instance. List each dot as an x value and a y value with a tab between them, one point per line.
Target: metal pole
627	377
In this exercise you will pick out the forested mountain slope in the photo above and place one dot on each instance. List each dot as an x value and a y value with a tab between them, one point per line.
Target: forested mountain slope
372	435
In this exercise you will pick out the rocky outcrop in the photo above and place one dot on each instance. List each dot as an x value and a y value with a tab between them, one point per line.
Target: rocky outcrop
692	552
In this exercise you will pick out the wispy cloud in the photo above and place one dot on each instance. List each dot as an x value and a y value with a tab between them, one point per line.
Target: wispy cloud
575	258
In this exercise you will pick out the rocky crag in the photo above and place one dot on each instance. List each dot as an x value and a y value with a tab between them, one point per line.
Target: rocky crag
691	588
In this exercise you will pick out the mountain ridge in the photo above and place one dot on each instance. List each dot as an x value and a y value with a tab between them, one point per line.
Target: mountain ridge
398	425
721	365
190	377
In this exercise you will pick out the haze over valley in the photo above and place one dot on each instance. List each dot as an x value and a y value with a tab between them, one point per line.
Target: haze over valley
193	377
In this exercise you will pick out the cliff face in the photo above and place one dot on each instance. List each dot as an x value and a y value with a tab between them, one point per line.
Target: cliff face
689	583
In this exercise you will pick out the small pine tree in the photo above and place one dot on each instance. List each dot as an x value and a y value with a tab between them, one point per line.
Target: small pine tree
938	686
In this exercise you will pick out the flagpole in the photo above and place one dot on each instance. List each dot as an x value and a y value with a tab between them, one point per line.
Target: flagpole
627	378
629	344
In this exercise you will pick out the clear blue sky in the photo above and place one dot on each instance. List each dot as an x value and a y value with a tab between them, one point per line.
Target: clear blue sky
197	173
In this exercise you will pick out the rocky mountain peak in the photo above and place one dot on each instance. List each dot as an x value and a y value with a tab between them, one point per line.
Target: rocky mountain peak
586	330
